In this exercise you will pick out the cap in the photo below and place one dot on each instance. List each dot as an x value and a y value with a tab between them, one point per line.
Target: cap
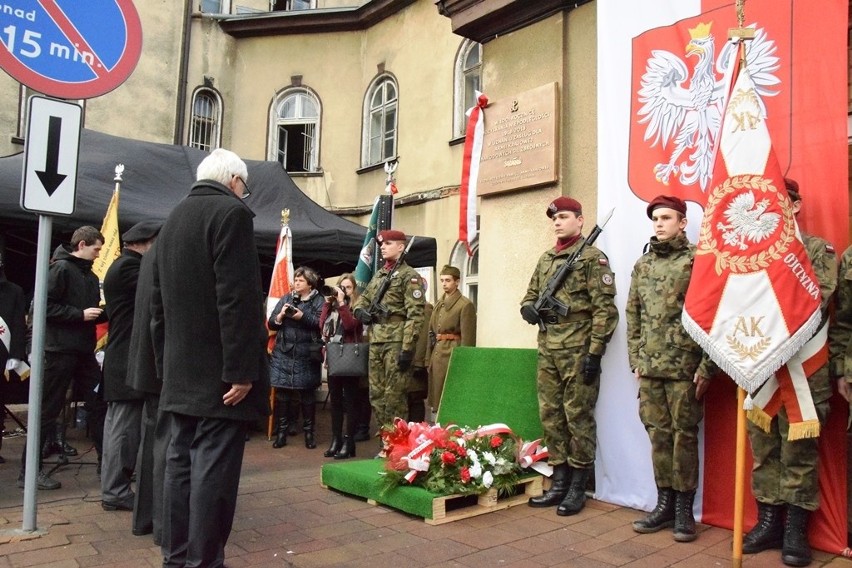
564	204
450	270
144	231
390	235
792	189
667	201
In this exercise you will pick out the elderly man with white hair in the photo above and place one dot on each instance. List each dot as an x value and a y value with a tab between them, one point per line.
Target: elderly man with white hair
209	342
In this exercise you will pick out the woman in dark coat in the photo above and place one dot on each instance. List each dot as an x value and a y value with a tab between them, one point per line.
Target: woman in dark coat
296	359
338	324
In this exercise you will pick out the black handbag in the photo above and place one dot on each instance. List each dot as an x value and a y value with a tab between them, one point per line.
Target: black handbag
346	359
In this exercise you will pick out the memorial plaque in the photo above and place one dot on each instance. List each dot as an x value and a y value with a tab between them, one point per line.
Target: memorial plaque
520	146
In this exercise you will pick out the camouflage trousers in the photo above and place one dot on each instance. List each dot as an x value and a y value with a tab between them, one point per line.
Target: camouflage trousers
388	385
671	414
566	406
786	471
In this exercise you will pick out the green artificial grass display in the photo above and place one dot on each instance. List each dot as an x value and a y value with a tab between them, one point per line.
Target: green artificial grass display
489	385
483	386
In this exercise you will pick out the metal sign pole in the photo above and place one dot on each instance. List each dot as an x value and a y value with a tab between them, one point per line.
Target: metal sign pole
45	227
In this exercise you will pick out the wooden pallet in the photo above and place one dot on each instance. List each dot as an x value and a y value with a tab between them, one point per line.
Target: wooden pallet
450	508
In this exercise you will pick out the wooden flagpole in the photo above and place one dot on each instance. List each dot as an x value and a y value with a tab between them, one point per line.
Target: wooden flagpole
742	33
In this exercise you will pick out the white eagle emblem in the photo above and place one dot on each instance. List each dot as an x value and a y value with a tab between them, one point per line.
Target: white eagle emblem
747	221
691	116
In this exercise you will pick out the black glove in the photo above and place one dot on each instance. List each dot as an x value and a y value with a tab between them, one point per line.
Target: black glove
591	367
363	316
404	359
529	314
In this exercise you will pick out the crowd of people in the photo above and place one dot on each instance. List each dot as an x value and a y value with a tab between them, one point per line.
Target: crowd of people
186	369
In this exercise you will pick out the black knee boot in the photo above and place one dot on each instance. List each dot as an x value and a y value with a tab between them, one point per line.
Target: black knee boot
662	516
768	532
336	429
309	408
575	499
281	433
559	482
796	550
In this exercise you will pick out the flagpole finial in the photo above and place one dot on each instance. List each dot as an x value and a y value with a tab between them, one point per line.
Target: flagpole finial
741	32
285	217
390	168
119	170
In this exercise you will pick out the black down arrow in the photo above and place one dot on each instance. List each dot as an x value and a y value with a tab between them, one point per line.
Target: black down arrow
50	178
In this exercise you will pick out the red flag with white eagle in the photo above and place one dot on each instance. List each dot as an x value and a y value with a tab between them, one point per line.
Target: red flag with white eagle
754	300
474	134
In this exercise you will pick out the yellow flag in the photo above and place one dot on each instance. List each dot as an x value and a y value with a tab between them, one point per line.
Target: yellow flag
112	247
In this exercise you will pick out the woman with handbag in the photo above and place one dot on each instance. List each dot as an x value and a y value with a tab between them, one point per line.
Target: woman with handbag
295	367
341	331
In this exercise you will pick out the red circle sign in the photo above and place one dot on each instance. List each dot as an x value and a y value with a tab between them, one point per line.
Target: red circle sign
68	48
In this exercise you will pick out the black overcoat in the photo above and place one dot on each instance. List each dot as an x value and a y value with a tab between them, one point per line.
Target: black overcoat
208	307
13	308
120	296
141	368
292	366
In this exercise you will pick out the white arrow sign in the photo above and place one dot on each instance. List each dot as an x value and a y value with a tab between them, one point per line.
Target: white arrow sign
50	156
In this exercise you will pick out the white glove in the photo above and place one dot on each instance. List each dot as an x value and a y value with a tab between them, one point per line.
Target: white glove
12	363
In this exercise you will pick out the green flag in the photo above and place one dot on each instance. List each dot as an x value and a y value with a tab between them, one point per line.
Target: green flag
367	258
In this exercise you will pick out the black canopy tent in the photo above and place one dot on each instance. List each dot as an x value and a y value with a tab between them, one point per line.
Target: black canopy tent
156	177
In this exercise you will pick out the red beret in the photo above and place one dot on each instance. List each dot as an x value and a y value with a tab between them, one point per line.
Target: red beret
667	201
391	235
564	204
792	189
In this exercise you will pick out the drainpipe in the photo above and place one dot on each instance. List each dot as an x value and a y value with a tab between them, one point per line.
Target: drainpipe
180	110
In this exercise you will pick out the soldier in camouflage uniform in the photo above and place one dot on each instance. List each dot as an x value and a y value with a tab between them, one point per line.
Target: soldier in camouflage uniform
784	474
569	355
840	365
672	371
393	335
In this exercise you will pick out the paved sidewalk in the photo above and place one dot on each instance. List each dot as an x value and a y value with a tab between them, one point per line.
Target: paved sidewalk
285	518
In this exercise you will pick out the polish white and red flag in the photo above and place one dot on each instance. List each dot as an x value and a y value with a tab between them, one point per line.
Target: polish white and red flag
474	134
282	275
754	299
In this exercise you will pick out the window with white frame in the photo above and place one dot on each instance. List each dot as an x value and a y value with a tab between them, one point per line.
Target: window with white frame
214	6
205	120
294	129
468	265
468	80
380	121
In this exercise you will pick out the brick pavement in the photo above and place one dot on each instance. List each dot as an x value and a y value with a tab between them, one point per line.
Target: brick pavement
285	518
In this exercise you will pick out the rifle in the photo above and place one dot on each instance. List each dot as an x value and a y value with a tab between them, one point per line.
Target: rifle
376	308
546	300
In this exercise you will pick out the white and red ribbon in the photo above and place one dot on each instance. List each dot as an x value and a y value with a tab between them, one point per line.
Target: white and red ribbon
474	134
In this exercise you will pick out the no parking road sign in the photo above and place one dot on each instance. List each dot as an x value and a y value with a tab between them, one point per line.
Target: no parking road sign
71	49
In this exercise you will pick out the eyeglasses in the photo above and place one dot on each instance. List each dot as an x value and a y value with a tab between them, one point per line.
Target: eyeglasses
246	191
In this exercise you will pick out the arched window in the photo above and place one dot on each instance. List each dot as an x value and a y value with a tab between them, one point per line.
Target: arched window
380	121
294	130
205	131
468	80
469	267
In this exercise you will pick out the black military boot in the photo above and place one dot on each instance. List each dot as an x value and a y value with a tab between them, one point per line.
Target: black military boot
559	482
796	550
768	532
61	442
575	499
663	515
281	433
684	525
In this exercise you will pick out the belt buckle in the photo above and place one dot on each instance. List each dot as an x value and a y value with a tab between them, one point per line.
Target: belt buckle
551	319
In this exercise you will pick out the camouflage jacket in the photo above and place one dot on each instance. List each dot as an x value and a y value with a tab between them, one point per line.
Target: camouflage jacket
840	333
824	260
657	344
404	301
589	294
